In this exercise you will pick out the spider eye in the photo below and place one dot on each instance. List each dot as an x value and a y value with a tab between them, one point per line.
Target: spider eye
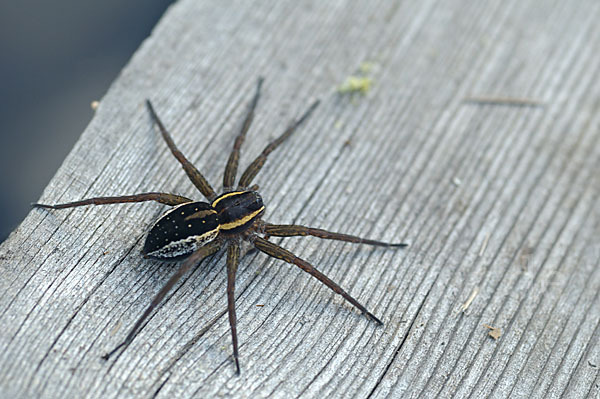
257	199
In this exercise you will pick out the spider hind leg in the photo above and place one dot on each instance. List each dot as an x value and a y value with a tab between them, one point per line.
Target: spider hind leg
233	255
192	172
255	167
192	260
290	230
234	157
278	252
163	198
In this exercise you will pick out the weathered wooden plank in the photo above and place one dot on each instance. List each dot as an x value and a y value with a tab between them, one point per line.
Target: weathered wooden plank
496	200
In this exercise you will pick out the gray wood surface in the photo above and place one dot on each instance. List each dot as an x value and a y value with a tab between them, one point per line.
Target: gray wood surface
499	202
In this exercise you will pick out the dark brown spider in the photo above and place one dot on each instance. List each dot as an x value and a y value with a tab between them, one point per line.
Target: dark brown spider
198	229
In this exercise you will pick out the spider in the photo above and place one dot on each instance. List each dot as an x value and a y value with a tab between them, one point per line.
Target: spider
193	230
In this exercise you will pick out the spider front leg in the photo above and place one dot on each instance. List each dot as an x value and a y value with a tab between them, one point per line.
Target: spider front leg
194	174
192	260
258	163
280	253
233	256
234	157
290	230
163	198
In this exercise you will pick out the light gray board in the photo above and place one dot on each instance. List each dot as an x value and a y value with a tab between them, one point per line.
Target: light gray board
499	198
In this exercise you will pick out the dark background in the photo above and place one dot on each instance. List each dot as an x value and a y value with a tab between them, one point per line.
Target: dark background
56	58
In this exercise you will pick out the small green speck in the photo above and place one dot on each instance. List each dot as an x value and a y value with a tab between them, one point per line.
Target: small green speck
355	84
366	67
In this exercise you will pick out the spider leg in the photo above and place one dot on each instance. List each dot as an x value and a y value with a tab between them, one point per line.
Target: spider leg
233	255
258	163
234	157
192	260
163	198
280	253
289	230
194	174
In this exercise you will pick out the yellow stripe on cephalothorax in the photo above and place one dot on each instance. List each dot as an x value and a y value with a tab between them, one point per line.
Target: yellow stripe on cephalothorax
231	194
242	221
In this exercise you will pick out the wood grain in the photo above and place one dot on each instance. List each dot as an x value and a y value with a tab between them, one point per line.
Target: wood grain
495	198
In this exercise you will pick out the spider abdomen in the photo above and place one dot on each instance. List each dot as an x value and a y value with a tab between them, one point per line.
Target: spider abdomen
181	231
238	210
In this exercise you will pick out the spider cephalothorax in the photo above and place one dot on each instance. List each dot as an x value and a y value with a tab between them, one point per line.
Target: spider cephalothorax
194	230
